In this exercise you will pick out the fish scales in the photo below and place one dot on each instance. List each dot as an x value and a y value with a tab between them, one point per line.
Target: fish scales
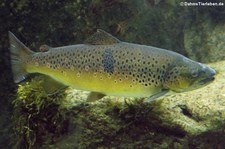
118	68
130	69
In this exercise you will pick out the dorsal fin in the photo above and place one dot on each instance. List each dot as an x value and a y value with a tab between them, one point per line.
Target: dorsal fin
44	48
101	38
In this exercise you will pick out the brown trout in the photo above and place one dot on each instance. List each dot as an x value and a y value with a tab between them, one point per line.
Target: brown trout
105	65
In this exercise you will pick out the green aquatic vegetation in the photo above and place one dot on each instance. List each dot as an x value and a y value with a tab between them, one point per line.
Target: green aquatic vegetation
100	124
37	117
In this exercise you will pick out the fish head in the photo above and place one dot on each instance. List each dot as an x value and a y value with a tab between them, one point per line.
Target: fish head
188	75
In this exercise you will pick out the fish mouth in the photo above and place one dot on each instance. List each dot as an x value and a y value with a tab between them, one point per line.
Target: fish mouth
207	80
210	77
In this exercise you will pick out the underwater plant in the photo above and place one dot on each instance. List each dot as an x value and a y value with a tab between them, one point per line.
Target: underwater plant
37	117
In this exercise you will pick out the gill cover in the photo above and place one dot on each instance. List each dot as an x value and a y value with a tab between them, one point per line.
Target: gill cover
188	75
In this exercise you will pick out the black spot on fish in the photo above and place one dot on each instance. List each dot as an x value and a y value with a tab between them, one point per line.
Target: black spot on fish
108	61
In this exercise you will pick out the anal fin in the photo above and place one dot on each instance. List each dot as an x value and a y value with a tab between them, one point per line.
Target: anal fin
51	86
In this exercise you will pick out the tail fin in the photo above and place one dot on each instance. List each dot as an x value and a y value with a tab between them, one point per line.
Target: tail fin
19	53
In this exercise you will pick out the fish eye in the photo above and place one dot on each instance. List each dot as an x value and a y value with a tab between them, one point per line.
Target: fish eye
194	73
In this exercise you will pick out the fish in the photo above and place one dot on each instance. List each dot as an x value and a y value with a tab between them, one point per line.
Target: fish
106	66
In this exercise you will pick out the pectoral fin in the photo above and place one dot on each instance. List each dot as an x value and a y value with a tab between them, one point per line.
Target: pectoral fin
162	93
93	96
